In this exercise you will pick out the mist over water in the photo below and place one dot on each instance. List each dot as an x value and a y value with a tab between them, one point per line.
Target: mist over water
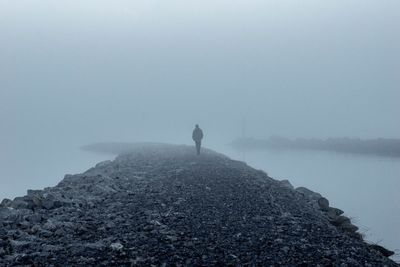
365	187
74	73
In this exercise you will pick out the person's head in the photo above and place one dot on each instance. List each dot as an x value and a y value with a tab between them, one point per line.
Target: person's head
197	126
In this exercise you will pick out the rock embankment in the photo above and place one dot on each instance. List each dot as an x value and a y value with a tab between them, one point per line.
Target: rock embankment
164	206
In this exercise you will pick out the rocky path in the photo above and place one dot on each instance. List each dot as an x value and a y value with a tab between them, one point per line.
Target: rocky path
164	206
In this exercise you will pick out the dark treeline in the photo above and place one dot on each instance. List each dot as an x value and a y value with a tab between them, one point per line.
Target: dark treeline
380	146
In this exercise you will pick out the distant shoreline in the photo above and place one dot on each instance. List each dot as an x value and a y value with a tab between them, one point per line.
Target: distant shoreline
379	147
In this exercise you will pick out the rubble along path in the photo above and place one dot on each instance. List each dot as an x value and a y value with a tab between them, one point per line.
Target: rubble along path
161	205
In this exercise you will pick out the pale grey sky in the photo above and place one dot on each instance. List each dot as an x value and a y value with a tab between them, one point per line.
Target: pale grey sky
119	70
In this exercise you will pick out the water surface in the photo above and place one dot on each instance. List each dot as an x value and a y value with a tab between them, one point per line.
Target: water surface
365	187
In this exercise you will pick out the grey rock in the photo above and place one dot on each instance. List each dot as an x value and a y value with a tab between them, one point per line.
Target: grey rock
340	220
348	227
45	233
308	193
5	202
19	204
384	251
48	201
2	252
34	218
323	204
37	201
35	229
116	246
19	245
151	207
103	164
50	226
334	212
287	184
51	248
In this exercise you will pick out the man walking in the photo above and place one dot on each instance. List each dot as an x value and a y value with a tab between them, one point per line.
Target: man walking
197	136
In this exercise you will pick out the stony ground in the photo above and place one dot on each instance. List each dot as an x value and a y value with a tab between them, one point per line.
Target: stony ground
164	206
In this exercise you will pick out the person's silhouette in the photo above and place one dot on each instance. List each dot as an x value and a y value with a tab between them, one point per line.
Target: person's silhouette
197	136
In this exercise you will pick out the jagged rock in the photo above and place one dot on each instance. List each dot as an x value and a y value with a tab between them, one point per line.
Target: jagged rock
308	193
287	184
348	227
385	252
334	212
50	226
5	203
37	201
116	246
14	215
103	164
19	203
19	246
162	205
34	218
48	201
340	220
35	228
2	252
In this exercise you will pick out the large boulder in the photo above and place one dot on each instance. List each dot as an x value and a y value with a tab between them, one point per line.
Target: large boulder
340	220
323	203
48	201
287	184
19	204
332	213
385	252
5	202
308	193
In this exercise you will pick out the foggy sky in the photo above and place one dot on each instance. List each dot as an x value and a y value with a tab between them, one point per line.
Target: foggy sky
84	71
77	72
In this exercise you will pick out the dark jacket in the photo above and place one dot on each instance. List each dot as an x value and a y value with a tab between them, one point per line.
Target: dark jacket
197	134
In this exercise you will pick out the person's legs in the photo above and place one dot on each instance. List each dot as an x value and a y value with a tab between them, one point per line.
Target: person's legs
198	144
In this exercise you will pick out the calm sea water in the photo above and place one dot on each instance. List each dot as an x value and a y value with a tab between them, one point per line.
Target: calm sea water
366	188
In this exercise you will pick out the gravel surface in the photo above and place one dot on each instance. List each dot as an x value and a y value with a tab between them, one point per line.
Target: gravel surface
161	205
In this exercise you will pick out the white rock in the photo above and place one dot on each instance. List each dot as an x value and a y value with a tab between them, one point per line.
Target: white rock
116	246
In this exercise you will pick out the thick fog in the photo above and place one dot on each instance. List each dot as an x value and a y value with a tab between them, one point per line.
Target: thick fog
77	72
74	72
